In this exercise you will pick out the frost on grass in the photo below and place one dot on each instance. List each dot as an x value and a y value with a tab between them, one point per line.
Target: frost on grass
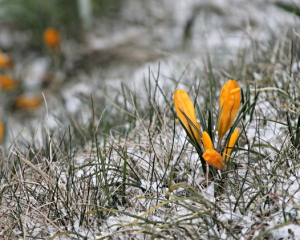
119	186
260	198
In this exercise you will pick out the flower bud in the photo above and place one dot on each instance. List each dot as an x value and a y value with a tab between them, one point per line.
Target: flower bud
184	104
213	158
230	100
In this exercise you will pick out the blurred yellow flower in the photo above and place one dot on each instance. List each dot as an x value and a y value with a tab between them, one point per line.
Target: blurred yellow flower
230	100
184	104
5	61
7	83
228	149
29	103
1	131
51	37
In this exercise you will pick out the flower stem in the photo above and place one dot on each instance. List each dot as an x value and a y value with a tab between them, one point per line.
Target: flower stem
219	145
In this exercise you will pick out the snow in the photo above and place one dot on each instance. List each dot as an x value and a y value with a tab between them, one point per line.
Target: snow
73	103
35	73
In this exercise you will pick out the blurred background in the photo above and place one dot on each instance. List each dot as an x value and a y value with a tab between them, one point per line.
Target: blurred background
56	53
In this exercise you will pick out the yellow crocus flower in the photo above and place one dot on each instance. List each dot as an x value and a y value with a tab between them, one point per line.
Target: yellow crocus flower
7	83
230	100
228	149
51	37
211	156
184	104
1	131
5	61
29	103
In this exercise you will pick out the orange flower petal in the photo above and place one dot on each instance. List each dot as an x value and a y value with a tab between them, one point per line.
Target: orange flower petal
230	99
51	37
5	61
207	141
7	83
184	104
1	131
228	149
29	103
213	158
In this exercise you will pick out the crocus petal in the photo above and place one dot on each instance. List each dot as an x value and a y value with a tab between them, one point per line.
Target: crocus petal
51	37
228	149
207	143
230	100
213	158
184	104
